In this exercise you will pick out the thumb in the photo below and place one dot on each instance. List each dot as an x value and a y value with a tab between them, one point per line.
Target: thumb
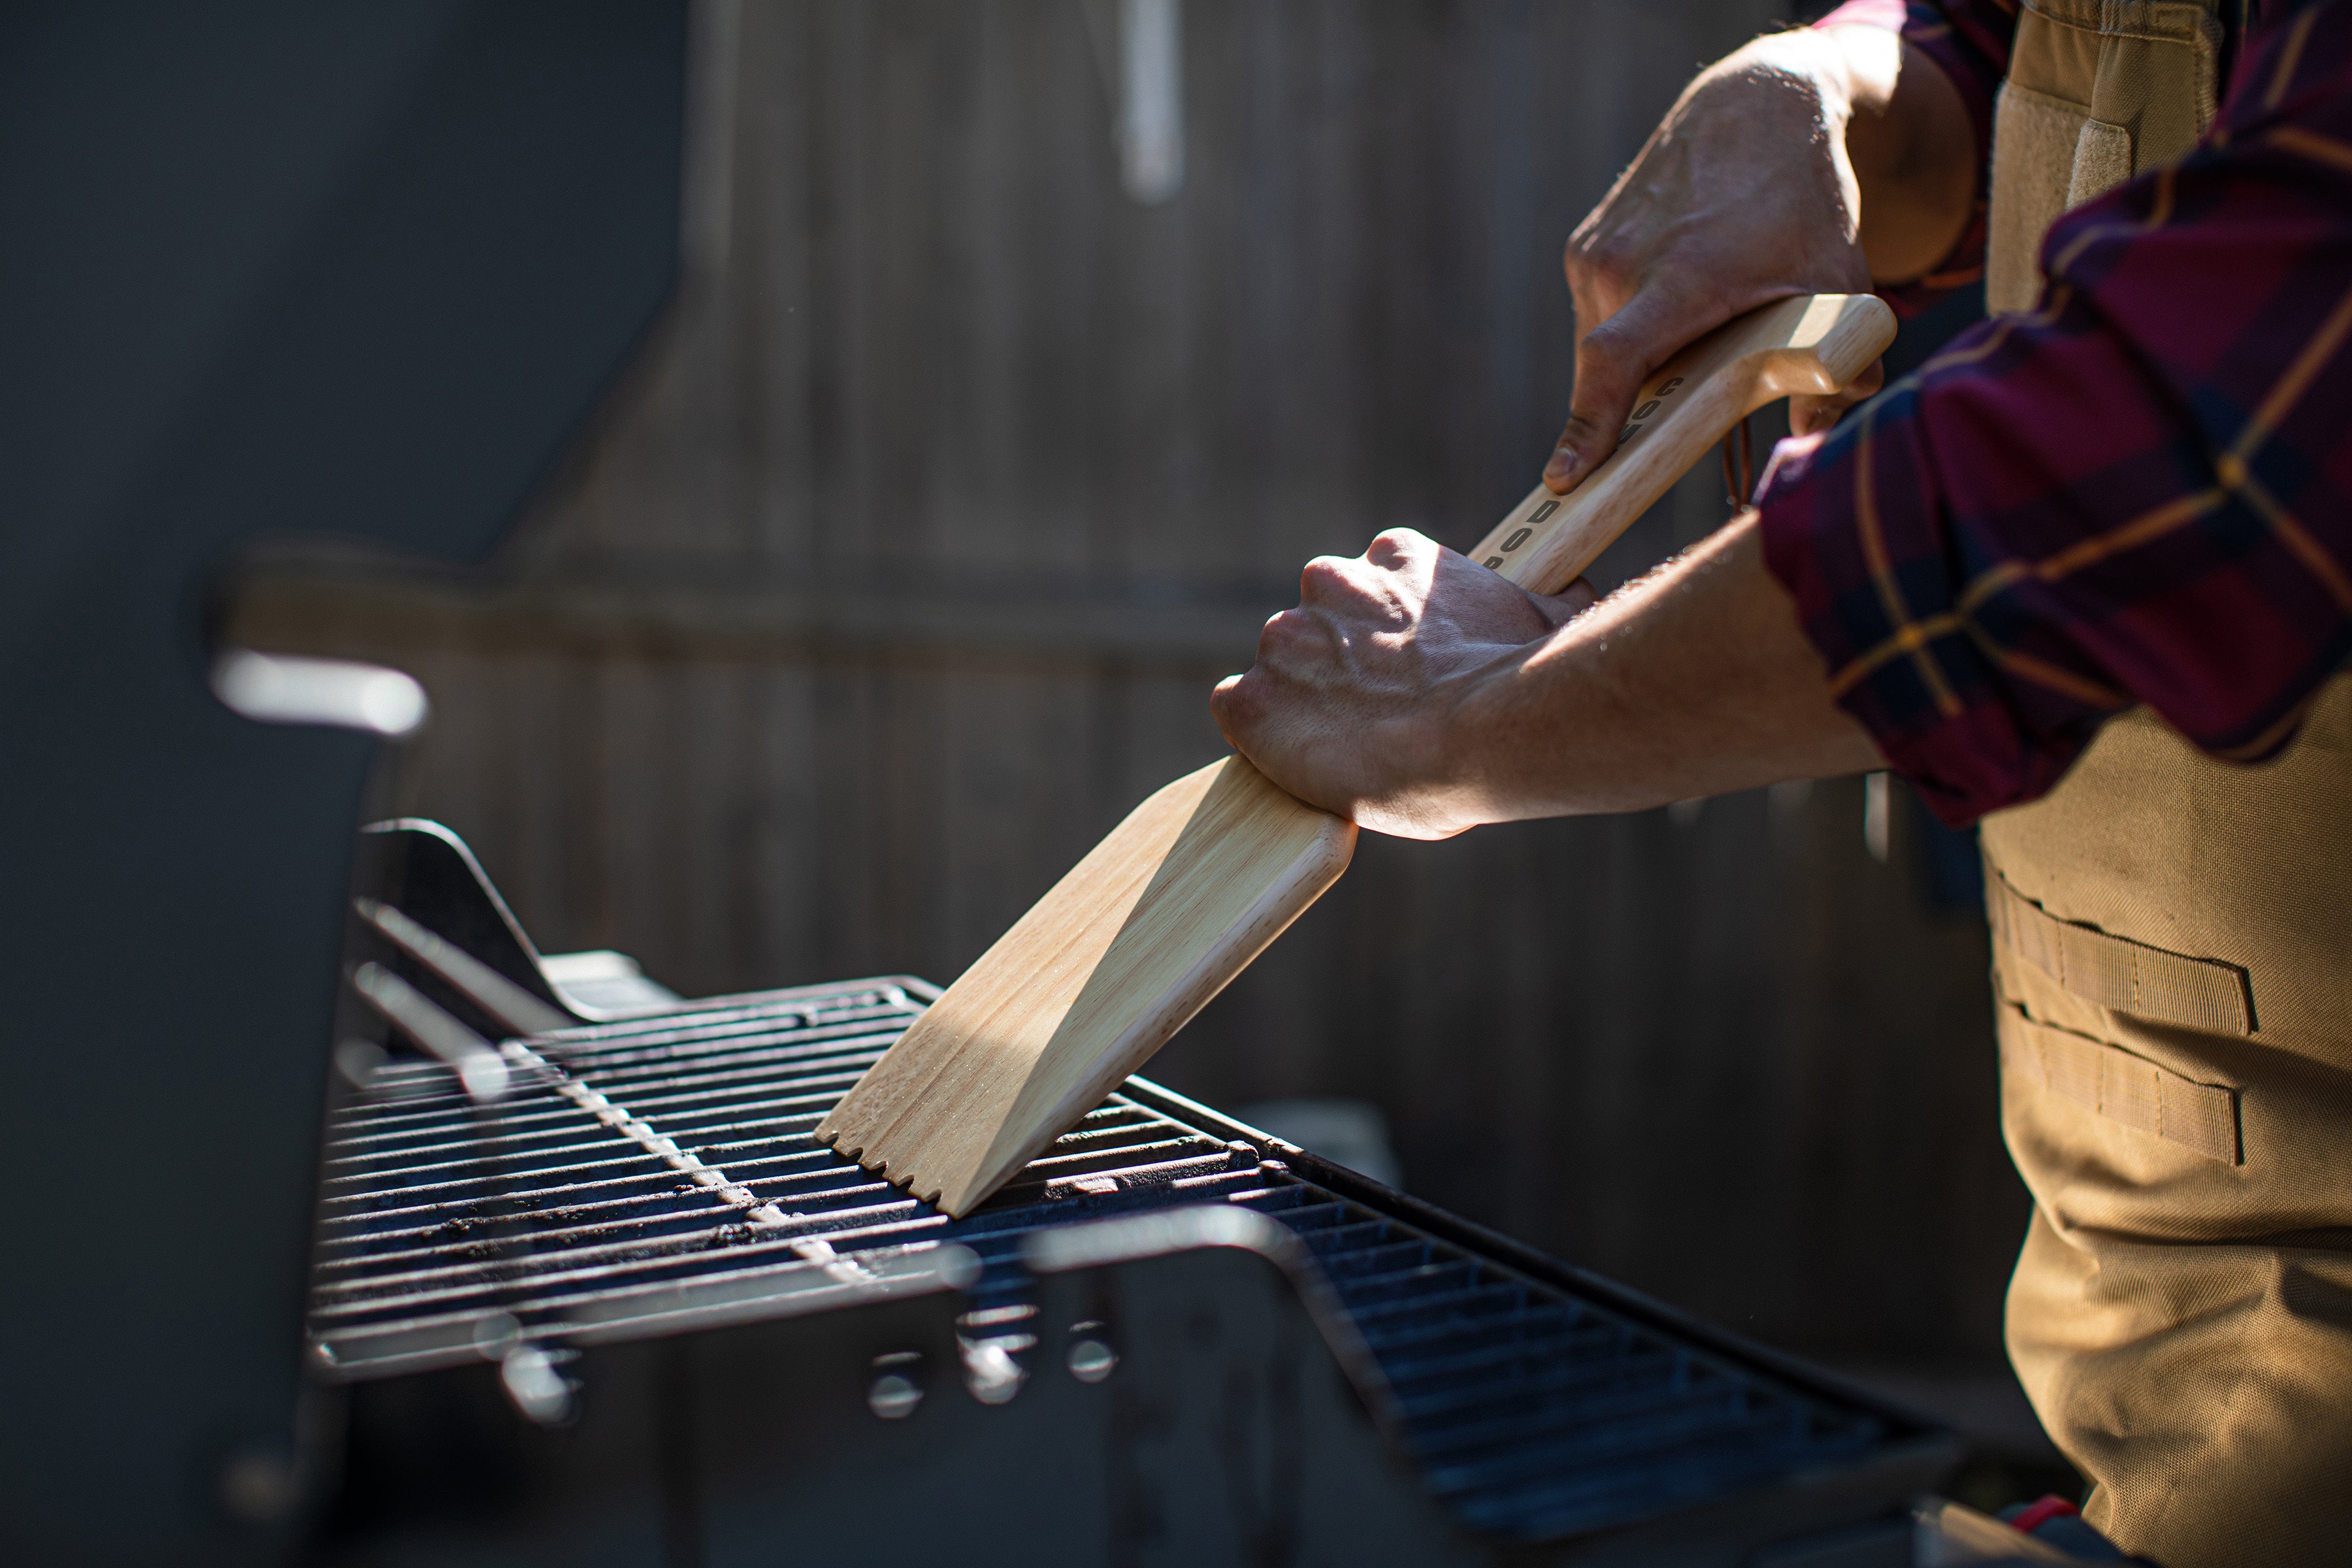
1611	361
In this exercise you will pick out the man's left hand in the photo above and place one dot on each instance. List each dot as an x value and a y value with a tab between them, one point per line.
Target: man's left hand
1352	702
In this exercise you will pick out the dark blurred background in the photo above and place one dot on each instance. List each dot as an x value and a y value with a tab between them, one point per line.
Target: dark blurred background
1021	361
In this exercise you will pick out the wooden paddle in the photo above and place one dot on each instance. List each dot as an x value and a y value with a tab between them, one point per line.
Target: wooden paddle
1203	875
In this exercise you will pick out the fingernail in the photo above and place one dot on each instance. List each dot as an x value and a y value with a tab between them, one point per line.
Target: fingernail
1562	464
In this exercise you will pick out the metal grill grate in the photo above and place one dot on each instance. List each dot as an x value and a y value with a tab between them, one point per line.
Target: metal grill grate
631	1158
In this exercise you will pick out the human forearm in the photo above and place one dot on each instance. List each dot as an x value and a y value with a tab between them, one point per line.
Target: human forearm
1694	681
1419	694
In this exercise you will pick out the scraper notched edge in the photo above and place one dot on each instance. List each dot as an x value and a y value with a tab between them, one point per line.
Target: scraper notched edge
1096	977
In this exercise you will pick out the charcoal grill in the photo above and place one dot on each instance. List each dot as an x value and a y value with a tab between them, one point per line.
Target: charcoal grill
629	1304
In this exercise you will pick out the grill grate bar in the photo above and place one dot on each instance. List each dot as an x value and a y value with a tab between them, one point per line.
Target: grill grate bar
350	1228
553	1121
411	1091
540	1297
448	1119
862	1210
711	1179
580	1219
682	1111
595	1140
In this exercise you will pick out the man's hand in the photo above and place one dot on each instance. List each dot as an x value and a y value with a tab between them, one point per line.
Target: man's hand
1353	692
1419	694
1809	162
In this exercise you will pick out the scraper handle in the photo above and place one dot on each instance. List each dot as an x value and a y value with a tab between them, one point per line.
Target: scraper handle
1813	342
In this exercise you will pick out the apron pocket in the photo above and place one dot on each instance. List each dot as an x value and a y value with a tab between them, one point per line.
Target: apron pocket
2124	1088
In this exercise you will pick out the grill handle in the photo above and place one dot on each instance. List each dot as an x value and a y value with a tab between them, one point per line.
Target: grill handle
1813	342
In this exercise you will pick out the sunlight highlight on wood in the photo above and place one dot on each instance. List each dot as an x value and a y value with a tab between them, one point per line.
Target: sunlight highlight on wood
1813	342
1090	981
1203	875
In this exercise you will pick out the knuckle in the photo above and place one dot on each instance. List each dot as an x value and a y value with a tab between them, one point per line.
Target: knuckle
1609	345
1325	576
1609	259
1280	632
1239	699
1598	251
1607	291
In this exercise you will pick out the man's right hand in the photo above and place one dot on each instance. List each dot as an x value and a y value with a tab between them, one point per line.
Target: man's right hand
1754	187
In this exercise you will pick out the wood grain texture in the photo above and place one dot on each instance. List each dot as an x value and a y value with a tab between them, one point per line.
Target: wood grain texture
1812	343
1089	982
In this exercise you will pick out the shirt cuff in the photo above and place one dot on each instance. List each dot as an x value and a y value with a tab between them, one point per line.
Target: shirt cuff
1872	595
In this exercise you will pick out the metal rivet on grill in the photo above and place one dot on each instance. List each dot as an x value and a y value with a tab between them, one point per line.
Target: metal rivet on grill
542	1393
991	1373
895	1391
893	1397
991	1341
1091	1361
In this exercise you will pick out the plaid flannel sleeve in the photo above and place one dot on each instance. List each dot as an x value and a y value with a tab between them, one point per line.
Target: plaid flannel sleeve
2139	492
1969	41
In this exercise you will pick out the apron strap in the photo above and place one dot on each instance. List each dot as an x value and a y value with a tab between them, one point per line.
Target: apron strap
2124	1088
2128	976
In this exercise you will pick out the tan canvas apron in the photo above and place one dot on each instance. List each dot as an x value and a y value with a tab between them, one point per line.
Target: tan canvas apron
2172	940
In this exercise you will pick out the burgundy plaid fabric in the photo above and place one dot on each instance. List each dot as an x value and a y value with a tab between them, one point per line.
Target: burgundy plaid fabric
2139	492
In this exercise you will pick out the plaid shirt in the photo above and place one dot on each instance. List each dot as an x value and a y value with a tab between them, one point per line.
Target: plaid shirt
2140	492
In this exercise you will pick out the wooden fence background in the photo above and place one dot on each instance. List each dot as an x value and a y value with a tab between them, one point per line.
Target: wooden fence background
901	567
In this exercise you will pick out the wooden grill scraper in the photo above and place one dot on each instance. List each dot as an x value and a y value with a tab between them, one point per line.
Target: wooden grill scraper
1203	875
